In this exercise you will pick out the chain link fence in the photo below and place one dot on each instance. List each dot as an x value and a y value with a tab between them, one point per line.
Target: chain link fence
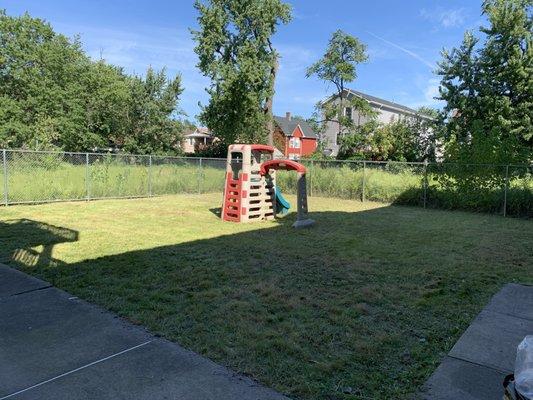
39	176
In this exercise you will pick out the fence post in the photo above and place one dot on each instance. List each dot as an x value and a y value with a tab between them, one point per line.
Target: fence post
505	189
200	176
4	163
150	175
87	178
425	182
364	179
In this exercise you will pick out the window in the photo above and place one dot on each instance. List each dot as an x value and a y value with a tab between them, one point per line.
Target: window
348	112
191	141
338	138
294	143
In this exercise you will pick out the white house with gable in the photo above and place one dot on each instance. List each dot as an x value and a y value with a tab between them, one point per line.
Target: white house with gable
387	111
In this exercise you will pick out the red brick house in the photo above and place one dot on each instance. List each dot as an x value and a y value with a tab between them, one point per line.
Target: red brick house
294	137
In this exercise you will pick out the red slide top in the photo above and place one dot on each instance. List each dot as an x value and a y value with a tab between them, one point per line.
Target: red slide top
281	164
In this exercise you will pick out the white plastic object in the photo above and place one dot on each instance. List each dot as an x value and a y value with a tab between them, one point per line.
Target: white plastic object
523	368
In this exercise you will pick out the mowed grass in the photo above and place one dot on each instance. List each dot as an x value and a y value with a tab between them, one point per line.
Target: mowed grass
361	306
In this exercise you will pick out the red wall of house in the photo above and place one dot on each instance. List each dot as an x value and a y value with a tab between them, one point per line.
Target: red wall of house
307	145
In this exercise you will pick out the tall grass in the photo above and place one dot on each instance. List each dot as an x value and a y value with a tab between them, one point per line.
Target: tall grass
35	177
412	184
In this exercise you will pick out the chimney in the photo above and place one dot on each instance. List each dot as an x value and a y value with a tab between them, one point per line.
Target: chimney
288	116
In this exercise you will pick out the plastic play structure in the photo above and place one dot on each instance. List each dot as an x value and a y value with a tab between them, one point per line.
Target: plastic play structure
250	192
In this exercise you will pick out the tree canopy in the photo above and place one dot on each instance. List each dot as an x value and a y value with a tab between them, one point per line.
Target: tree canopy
338	66
236	52
407	139
488	88
52	95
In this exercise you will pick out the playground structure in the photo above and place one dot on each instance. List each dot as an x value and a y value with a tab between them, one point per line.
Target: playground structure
250	192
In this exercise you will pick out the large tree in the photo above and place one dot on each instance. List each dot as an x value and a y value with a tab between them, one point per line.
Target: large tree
52	95
338	66
488	88
235	51
40	88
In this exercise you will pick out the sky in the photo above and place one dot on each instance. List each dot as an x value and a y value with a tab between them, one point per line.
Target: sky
403	38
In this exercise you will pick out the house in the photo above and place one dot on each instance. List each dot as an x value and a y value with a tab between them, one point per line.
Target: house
196	139
294	137
387	111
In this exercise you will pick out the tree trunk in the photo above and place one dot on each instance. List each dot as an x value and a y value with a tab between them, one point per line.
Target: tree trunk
269	101
341	109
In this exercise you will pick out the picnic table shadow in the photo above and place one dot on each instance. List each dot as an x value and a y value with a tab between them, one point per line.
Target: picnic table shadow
20	237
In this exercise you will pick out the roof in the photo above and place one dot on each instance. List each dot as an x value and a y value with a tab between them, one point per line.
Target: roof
288	126
197	135
203	129
381	102
200	132
257	147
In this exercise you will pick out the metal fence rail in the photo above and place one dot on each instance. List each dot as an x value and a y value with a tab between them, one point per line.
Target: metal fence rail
42	176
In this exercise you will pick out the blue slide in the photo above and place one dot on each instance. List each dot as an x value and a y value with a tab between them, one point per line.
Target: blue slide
282	205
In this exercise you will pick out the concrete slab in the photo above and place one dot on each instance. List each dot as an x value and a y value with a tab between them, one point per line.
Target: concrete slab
491	340
46	333
156	371
515	300
456	379
14	282
55	346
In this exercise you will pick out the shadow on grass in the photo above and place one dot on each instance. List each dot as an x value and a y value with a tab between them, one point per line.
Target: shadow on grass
19	237
361	305
216	211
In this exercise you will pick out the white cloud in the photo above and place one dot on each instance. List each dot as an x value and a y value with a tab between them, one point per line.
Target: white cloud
379	53
297	15
135	51
411	53
294	59
428	89
432	90
446	18
310	100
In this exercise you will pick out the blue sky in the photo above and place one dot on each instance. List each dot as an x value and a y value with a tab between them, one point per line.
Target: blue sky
404	40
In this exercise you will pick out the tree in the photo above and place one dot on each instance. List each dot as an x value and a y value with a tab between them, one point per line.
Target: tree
52	95
151	128
40	91
339	66
355	146
236	52
106	100
427	125
488	89
410	139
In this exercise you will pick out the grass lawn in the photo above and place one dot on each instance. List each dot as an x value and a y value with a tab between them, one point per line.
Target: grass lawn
361	306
